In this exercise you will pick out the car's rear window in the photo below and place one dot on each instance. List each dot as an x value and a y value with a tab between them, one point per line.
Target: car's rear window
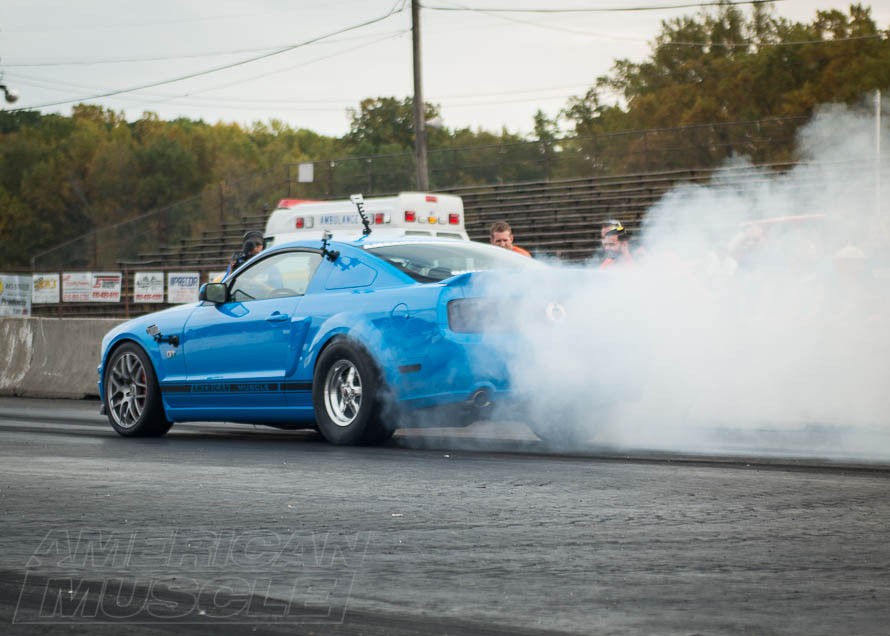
430	262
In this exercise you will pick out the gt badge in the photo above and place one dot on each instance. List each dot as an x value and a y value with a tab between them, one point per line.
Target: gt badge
171	353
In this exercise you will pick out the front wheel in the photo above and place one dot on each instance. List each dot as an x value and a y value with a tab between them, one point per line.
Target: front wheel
346	394
132	396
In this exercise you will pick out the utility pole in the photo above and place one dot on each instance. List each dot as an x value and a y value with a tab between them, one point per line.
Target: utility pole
423	180
878	218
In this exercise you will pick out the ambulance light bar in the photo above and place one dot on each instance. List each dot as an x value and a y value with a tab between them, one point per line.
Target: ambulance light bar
451	219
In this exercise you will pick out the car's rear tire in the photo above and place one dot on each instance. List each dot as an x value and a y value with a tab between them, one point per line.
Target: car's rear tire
347	396
132	397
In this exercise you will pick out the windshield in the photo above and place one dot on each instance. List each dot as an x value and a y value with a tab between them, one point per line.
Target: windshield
430	262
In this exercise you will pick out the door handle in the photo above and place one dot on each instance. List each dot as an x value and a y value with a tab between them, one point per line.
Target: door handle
277	317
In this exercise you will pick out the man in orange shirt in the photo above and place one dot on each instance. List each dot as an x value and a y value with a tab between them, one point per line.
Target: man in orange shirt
501	235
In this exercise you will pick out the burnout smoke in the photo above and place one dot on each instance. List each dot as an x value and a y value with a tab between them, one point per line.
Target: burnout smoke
740	330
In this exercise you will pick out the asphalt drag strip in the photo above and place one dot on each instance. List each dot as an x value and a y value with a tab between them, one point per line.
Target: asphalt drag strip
254	530
817	446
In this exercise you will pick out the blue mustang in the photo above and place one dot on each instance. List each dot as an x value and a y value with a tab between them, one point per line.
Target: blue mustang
348	337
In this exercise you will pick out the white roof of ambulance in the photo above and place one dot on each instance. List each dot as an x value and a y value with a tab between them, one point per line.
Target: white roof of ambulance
342	220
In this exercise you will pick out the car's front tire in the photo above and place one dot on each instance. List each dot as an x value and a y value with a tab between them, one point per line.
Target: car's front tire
347	396
132	397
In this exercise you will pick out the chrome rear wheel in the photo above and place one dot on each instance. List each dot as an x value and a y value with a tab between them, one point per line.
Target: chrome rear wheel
348	395
343	393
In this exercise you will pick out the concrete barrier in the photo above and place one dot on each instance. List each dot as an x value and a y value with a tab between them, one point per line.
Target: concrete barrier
51	357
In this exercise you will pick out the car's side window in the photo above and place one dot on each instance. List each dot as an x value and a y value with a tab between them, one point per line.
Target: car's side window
277	276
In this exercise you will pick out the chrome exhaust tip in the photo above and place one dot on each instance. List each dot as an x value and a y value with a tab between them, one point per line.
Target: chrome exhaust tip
480	399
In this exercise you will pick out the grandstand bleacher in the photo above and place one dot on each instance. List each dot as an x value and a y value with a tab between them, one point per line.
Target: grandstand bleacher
554	218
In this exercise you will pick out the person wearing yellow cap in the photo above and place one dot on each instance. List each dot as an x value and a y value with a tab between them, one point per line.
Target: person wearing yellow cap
615	242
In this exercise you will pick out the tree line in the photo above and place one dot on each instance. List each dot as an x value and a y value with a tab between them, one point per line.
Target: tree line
61	176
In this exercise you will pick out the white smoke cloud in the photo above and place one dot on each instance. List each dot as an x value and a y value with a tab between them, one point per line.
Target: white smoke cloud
714	342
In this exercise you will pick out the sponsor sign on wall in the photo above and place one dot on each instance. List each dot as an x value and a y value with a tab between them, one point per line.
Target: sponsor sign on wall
45	288
182	287
105	287
76	287
148	287
15	295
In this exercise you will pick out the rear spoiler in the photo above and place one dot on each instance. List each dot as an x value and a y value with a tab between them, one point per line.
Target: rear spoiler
460	280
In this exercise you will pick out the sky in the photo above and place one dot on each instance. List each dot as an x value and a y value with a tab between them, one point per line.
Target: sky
485	69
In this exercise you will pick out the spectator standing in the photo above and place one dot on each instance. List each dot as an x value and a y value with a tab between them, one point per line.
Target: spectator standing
251	245
616	244
501	235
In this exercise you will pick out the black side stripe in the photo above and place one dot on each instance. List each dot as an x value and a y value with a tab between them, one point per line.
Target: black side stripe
236	387
296	386
176	388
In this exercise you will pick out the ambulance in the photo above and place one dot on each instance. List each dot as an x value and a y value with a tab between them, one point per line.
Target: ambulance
406	214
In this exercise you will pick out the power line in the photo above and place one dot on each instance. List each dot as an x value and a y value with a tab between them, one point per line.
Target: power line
608	36
601	9
218	68
284	70
331	104
127	60
54	85
139	25
876	36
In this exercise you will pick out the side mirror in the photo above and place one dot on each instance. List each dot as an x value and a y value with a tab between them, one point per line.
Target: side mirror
214	292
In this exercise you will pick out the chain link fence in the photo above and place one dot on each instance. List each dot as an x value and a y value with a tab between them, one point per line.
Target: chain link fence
701	146
144	238
222	211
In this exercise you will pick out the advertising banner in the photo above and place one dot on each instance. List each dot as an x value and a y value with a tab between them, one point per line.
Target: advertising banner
105	287
15	295
148	287
182	287
45	288
76	287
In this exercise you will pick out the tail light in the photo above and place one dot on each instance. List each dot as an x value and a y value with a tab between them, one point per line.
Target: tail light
303	222
378	218
410	216
454	219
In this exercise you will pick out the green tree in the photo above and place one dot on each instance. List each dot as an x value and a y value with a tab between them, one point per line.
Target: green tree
167	172
721	66
20	230
385	122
